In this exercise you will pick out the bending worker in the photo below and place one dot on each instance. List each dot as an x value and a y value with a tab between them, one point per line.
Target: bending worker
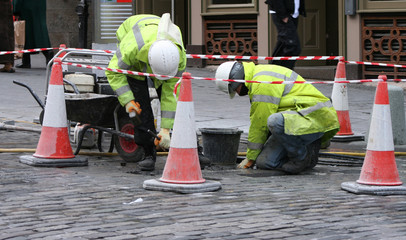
288	121
148	43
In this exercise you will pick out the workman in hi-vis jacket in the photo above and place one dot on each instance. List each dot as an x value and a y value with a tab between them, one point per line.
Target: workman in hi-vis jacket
148	44
288	121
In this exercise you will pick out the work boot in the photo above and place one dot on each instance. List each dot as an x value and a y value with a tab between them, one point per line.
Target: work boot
147	164
314	148
297	166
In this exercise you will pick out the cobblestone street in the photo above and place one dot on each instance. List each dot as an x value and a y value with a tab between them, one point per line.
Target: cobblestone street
106	199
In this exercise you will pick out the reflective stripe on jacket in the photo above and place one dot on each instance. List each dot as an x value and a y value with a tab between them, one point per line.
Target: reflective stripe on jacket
305	109
135	36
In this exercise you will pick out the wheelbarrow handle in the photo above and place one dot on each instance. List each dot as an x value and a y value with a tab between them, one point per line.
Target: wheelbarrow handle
32	93
137	122
153	134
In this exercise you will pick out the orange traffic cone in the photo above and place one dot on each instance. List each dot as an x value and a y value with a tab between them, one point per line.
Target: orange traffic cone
182	169
54	149
62	54
340	103
379	174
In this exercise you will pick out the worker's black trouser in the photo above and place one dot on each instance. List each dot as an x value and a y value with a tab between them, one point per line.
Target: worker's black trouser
141	95
288	43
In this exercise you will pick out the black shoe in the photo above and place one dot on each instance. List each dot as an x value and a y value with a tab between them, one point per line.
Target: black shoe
147	164
23	66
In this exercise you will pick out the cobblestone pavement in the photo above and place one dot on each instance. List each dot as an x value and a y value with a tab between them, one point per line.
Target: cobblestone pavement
106	199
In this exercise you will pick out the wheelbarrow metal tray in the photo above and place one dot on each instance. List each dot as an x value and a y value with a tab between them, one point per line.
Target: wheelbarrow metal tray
91	108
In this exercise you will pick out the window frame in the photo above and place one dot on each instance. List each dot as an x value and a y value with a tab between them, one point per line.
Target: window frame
229	9
367	6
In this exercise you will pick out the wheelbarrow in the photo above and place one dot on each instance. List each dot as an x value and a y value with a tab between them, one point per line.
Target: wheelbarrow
101	112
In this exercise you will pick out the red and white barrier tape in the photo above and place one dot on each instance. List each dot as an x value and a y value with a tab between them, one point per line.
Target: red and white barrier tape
26	51
117	70
198	56
229	80
300	82
225	57
376	64
202	56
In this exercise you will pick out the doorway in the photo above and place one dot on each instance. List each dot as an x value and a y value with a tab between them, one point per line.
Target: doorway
177	9
318	32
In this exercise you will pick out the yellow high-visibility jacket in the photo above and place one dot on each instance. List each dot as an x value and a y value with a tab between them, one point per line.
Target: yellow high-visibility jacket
305	109
135	36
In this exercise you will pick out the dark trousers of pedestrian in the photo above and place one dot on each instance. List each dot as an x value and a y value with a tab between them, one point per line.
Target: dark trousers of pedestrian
26	60
288	43
141	136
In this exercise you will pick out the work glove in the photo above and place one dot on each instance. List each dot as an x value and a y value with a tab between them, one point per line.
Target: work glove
133	106
165	139
246	163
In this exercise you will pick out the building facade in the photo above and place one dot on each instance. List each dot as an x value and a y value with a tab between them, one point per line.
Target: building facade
359	30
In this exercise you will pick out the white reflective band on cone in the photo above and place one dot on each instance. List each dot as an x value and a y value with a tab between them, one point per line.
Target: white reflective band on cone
381	136
185	134
53	116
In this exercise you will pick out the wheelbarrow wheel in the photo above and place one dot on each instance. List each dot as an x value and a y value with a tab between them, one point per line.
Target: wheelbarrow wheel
128	150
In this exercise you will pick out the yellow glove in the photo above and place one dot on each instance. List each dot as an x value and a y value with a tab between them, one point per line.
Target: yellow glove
246	163
165	141
133	106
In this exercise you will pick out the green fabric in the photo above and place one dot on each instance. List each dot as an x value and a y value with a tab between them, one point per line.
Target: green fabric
137	60
301	97
34	14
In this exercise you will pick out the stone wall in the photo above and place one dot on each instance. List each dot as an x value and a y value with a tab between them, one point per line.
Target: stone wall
63	21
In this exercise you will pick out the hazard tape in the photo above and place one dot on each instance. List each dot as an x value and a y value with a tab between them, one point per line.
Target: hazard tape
301	82
229	80
26	51
223	57
376	64
198	56
234	57
201	56
117	70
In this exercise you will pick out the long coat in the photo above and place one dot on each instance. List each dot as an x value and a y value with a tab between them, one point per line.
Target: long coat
6	31
34	14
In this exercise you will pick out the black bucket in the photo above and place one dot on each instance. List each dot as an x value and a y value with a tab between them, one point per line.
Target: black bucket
220	145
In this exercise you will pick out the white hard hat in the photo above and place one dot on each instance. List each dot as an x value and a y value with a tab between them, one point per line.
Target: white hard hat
223	72
163	57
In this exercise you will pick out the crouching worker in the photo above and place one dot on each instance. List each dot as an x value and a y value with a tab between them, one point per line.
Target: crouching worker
288	121
149	44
